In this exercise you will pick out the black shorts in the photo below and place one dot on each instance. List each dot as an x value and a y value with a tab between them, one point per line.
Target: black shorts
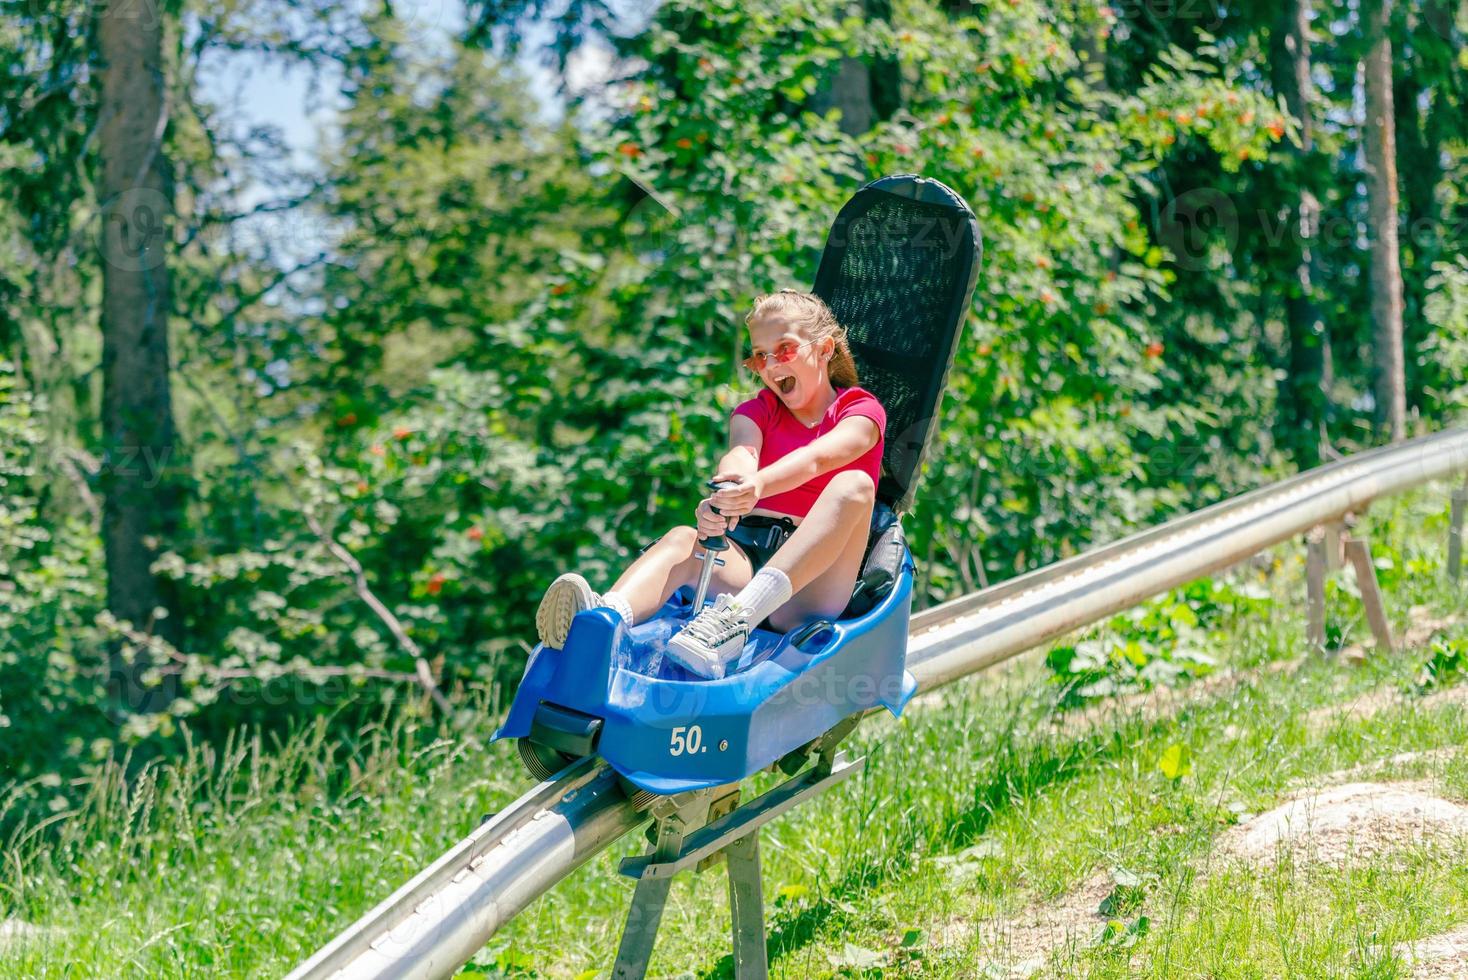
759	536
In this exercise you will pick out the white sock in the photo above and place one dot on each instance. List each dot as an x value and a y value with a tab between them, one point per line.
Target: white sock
766	592
618	601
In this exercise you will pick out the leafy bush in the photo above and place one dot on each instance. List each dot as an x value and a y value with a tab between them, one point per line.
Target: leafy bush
49	594
1153	645
1446	665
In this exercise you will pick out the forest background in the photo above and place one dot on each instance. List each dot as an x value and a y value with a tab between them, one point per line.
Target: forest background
287	436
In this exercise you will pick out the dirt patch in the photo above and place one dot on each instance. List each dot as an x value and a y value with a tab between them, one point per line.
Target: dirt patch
1365	706
1423	626
1354	820
1020	946
1154	704
1357	772
1333	825
1443	957
1373	703
1451	695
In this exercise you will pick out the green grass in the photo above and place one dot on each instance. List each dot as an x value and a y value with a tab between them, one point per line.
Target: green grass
968	812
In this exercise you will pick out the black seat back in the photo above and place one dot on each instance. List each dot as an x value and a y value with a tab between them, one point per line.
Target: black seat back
899	270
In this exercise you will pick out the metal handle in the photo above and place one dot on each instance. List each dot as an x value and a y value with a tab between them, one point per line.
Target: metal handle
712	545
717	542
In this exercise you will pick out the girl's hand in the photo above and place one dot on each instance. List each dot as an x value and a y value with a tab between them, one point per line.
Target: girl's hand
738	500
711	524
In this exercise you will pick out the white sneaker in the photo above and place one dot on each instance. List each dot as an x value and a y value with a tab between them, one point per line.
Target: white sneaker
567	595
712	639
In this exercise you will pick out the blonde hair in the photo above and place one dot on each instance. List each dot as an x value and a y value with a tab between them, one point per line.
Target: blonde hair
810	311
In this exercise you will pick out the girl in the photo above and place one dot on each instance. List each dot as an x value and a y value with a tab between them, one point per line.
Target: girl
805	455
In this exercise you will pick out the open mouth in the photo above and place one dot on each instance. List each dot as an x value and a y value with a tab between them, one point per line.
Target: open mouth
785	385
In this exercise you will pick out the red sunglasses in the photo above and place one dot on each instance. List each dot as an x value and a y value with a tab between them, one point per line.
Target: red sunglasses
784	354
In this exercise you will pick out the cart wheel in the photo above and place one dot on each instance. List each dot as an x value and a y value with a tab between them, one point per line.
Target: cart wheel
640	798
542	762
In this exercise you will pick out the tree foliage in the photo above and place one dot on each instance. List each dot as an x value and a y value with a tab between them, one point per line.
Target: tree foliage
475	344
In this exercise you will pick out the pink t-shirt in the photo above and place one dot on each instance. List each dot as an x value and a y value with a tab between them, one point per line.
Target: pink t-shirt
784	433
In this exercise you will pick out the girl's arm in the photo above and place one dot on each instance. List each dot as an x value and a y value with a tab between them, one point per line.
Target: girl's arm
742	459
741	463
847	442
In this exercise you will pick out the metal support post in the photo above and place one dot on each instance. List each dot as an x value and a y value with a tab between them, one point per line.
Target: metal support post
747	908
1358	552
721	806
735	836
675	818
1315	588
1334	533
1455	532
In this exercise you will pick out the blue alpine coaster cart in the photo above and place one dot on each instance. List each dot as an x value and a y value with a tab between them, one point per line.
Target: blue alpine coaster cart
898	270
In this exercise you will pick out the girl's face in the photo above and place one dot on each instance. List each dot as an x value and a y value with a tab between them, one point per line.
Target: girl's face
802	379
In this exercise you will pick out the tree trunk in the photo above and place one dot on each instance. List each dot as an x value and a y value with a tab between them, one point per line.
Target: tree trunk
140	471
850	91
865	93
1305	392
1420	135
1386	270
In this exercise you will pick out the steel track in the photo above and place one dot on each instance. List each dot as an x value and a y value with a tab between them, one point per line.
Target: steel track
444	915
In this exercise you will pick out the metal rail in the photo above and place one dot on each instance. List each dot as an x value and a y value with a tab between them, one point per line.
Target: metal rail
439	919
433	924
976	631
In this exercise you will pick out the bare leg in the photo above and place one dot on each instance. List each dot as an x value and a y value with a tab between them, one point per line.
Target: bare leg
822	558
672	562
